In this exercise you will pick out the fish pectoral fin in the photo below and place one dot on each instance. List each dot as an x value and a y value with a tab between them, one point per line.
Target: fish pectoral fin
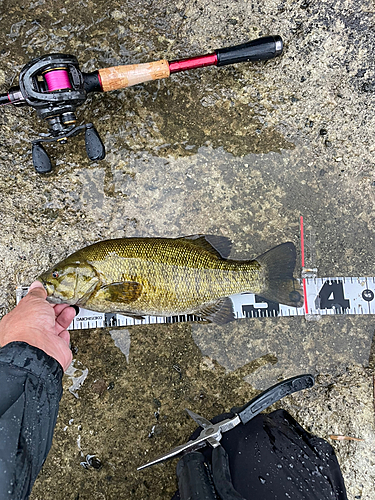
221	312
220	246
123	293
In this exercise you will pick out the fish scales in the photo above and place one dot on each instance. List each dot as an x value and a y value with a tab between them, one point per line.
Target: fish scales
164	276
175	278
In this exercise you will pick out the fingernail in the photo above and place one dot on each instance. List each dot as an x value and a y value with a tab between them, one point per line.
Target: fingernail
76	308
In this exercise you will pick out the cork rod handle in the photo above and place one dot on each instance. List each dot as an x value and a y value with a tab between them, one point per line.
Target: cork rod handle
119	77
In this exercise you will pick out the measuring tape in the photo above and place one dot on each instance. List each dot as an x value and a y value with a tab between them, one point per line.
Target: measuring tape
323	296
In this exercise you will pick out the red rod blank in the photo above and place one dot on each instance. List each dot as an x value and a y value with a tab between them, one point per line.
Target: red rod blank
192	63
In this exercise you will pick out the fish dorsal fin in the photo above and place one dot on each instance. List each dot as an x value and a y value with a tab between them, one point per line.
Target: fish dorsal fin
221	312
221	246
122	293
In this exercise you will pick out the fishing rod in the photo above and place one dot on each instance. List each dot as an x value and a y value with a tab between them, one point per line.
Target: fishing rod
54	86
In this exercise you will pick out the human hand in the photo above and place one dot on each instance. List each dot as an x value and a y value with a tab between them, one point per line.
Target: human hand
41	324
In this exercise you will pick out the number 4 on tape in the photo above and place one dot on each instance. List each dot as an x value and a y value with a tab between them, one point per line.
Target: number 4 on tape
331	295
340	295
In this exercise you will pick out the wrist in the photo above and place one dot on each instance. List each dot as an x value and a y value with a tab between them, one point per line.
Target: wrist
33	360
51	345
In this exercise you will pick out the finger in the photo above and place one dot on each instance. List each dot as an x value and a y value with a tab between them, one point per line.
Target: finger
58	308
65	335
64	319
37	290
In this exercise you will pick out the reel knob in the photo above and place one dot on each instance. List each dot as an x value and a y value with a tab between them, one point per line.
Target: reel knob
41	161
94	146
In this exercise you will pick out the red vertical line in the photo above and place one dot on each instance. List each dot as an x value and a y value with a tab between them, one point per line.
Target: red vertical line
302	243
303	264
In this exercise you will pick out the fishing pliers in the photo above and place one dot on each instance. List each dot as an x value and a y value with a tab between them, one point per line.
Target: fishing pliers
212	433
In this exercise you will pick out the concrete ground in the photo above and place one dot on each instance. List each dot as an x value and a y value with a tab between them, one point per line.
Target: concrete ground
240	151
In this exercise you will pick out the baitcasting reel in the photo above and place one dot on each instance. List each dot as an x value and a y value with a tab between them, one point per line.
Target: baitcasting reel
54	86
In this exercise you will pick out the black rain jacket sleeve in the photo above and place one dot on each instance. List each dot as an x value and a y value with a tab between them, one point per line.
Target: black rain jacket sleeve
30	392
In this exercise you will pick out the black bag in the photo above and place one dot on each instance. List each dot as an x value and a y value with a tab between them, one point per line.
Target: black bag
270	458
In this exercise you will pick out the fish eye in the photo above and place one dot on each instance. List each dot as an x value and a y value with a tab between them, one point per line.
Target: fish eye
55	274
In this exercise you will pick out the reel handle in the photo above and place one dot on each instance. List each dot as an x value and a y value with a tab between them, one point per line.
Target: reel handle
94	147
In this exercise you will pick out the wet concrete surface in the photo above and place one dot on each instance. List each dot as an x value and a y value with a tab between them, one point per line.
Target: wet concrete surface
241	151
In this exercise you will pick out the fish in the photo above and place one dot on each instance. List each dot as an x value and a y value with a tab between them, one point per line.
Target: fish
141	276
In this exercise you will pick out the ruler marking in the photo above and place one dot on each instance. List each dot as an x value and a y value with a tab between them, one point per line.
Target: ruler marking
303	264
323	297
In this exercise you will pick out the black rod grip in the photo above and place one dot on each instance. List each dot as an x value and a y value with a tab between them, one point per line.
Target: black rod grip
273	394
256	50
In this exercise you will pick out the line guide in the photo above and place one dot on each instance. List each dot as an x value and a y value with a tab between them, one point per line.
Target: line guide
322	297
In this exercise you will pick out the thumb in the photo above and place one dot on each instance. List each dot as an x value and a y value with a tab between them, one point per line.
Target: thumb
37	290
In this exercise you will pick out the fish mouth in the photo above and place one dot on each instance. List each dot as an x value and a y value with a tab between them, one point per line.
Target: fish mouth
49	288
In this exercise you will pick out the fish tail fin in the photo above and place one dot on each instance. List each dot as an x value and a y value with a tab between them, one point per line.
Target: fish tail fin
279	264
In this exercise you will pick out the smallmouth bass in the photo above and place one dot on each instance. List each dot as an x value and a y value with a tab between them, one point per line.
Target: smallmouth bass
166	277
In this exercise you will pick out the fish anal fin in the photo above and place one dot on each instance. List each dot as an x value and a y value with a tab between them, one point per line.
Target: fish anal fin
221	312
122	293
131	315
220	246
